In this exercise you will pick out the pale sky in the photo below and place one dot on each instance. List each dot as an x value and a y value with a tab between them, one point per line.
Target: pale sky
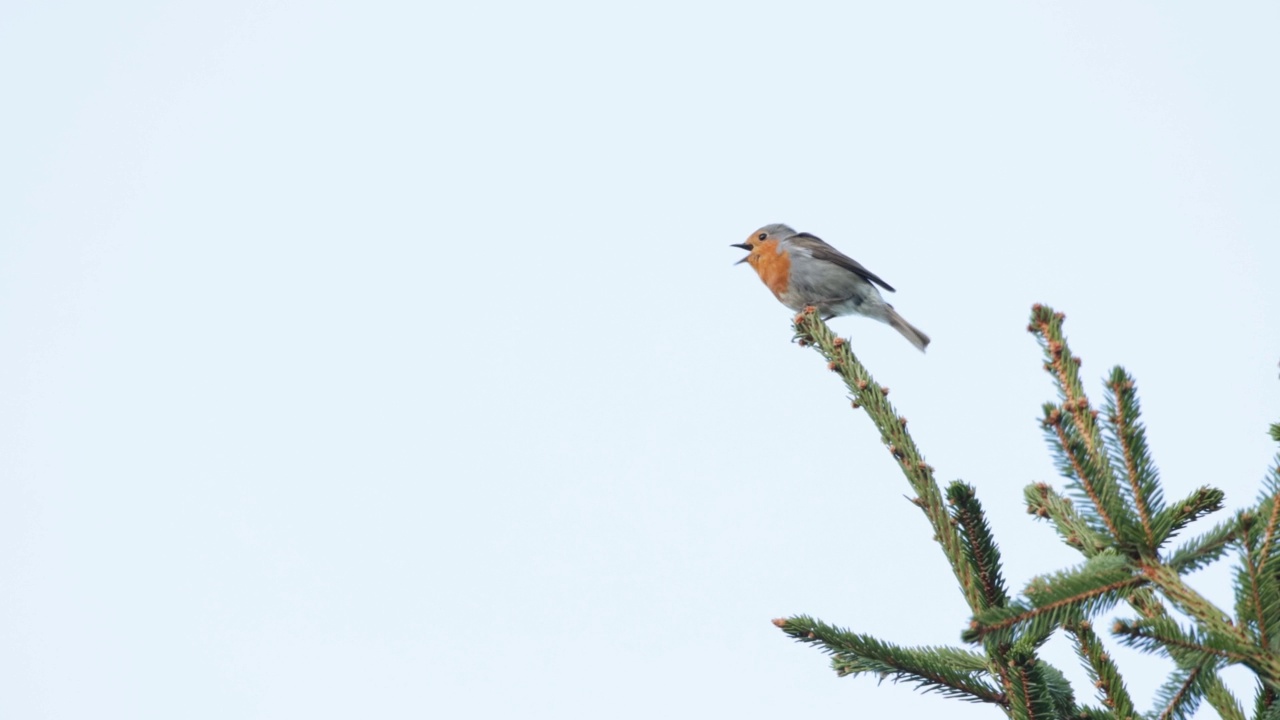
374	359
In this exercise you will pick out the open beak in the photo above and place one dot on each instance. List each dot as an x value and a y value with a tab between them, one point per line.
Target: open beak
744	246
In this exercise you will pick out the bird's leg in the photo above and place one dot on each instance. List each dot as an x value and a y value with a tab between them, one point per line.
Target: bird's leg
817	305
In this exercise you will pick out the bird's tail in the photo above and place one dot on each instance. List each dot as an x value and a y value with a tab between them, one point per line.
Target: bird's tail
917	338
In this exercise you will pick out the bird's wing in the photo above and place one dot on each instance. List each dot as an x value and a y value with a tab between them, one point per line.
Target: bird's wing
821	251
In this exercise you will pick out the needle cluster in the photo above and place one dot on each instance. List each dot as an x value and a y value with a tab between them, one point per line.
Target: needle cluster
1115	515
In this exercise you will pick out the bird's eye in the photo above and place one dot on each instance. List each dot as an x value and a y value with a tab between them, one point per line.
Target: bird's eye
762	236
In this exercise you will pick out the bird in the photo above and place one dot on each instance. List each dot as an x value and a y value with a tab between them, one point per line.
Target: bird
803	271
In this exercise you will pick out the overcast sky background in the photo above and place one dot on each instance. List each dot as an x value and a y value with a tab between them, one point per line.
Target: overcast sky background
388	360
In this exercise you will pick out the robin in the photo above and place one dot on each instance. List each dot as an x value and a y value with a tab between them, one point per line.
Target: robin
803	271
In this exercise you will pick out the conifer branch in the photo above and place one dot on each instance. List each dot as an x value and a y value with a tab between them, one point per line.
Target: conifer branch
1073	429
1266	554
979	545
1265	706
1034	696
1173	519
1204	549
1128	442
1264	558
1257	591
1269	508
870	396
1222	700
1022	704
1031	698
1101	668
1149	606
1147	603
1267	560
1047	326
1083	470
1058	689
1190	602
1181	695
1188	648
953	672
1059	599
1249	604
1119	522
1045	502
1213	621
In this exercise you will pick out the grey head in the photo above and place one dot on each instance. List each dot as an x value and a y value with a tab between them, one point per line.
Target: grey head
776	231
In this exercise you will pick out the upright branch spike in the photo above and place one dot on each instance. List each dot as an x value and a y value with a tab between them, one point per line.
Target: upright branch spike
980	547
1221	698
871	397
1075	437
1257	589
1269	507
1170	521
1126	439
1102	669
1039	690
1044	502
1264	561
1179	697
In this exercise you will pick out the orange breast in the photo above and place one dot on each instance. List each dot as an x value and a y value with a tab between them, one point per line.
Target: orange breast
773	267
